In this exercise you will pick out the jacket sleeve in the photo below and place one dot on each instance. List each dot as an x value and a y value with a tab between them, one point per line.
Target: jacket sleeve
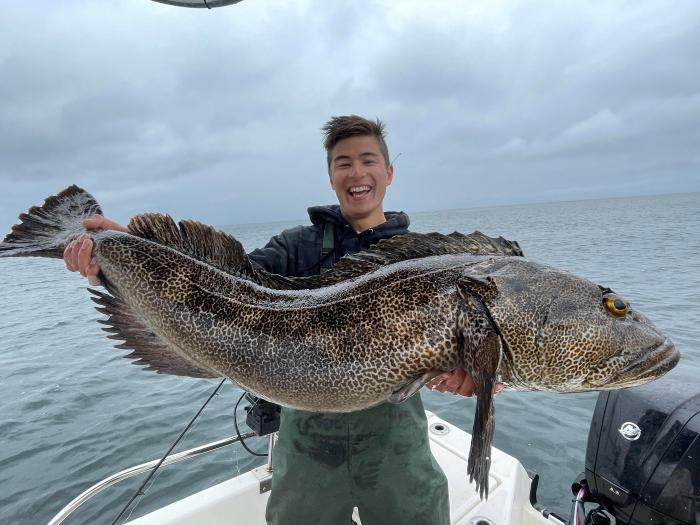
274	256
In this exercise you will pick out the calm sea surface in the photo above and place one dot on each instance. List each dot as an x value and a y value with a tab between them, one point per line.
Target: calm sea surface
73	411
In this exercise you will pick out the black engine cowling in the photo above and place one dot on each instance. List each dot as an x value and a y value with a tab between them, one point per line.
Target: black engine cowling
643	455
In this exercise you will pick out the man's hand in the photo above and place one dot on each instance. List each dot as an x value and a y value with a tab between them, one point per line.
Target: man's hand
78	254
457	382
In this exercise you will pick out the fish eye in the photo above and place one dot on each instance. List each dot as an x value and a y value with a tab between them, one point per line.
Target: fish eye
615	305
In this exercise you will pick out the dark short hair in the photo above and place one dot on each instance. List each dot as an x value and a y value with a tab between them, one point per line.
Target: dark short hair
339	128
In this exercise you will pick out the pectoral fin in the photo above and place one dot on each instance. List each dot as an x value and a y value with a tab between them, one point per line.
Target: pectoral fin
411	386
481	354
479	461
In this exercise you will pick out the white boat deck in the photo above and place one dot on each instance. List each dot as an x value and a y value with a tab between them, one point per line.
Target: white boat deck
240	501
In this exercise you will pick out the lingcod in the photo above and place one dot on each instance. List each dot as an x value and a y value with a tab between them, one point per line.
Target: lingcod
185	299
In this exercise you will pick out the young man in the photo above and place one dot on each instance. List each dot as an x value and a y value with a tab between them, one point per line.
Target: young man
378	459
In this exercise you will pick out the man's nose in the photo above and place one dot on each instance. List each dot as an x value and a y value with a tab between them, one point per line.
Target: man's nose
355	169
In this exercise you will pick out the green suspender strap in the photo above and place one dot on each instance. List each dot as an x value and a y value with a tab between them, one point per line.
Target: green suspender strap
327	248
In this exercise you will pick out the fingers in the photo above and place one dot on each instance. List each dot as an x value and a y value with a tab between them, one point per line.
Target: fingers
84	256
78	254
92	269
467	387
78	257
77	244
458	382
434	382
456	379
93	223
438	383
99	222
68	256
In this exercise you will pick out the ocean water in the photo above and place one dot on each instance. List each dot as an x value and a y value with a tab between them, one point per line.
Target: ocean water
73	411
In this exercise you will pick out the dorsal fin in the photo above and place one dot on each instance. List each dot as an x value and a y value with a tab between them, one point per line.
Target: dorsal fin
396	249
149	350
197	240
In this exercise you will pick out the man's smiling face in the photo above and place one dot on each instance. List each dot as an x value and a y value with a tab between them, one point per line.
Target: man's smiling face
359	177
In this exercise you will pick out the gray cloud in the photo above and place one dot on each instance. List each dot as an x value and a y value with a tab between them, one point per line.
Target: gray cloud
215	115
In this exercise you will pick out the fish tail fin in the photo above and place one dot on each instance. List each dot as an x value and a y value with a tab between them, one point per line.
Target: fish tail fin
46	230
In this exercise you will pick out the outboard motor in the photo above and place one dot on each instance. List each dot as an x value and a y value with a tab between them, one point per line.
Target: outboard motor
643	455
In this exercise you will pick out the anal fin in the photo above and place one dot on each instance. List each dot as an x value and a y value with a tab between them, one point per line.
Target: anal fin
149	349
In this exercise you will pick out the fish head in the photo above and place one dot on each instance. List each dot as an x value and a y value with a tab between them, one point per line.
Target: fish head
562	333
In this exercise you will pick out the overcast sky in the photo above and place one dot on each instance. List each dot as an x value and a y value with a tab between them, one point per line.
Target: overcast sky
215	115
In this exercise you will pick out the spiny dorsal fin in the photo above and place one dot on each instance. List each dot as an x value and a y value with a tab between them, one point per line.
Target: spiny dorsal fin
197	240
149	350
396	249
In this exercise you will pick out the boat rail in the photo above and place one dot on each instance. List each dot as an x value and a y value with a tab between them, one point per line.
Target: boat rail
145	467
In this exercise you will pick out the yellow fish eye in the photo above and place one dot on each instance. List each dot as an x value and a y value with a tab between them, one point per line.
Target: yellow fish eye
615	305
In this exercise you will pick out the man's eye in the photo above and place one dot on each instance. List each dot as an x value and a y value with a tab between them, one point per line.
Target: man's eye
369	162
342	165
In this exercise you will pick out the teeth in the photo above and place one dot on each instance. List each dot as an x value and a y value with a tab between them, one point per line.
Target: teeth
359	189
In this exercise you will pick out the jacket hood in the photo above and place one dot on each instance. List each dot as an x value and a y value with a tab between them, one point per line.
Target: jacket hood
395	220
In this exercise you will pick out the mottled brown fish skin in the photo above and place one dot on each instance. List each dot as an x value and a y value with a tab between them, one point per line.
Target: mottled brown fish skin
312	349
349	346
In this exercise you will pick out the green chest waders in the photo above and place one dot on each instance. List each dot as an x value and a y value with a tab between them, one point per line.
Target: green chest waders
378	460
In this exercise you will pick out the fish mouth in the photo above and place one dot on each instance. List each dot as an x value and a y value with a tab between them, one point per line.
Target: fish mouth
654	362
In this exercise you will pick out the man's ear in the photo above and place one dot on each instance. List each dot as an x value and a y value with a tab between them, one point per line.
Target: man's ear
389	174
